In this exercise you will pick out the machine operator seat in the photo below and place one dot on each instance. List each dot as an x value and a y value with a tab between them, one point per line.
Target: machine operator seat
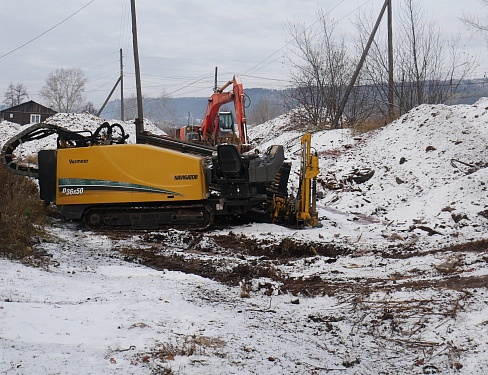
230	162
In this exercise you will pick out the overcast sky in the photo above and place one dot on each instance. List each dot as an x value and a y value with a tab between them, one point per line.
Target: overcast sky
180	41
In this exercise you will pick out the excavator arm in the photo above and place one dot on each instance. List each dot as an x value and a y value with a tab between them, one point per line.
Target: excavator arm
239	105
209	126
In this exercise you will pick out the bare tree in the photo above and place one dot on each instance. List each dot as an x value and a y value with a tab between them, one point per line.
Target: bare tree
322	67
432	67
162	112
264	110
130	106
375	67
64	89
475	22
169	113
15	94
427	68
89	107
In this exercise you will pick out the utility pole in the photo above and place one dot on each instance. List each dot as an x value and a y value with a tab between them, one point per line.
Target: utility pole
119	80
349	88
215	86
122	115
140	115
391	82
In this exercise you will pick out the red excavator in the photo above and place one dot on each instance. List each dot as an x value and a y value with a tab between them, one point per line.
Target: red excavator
210	125
218	126
224	131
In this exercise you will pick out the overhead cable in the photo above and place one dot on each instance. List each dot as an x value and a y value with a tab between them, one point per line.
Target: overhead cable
45	32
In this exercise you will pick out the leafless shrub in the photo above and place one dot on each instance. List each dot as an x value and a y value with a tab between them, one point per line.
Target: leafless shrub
183	345
21	214
406	325
187	345
245	289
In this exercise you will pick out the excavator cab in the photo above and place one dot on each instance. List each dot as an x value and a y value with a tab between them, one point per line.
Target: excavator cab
226	122
225	130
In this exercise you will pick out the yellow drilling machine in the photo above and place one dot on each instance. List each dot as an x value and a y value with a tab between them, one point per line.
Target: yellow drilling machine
160	182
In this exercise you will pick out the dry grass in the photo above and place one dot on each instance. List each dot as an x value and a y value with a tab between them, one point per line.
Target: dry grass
358	128
159	359
372	123
21	214
31	159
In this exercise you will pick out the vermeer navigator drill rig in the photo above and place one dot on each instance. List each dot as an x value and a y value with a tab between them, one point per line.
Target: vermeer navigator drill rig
161	182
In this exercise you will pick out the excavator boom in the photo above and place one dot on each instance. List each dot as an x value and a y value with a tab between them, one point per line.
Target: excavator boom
210	128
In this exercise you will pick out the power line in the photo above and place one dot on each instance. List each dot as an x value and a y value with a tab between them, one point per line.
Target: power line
286	44
45	32
257	67
265	78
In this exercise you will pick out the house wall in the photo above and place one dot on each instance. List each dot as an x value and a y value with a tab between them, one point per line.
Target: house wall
21	114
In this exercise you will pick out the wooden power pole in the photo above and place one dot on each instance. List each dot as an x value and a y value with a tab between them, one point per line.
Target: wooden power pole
121	81
215	81
349	88
391	82
122	114
140	115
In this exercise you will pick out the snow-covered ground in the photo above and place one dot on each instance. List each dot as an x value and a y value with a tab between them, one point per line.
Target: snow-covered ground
402	294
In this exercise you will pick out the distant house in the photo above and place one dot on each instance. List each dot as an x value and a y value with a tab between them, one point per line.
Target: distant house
26	113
